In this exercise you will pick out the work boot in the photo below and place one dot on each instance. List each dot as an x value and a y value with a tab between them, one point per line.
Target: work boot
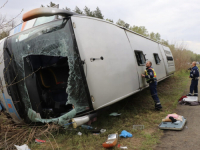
189	94
195	94
158	109
158	106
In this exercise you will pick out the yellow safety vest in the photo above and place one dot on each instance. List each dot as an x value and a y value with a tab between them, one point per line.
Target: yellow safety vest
154	74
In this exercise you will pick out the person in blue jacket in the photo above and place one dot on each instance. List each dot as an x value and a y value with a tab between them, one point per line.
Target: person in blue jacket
194	74
150	76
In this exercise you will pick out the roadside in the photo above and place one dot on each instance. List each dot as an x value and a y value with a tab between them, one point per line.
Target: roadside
135	110
189	137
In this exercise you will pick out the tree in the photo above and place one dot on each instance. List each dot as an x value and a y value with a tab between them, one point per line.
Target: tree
66	8
97	13
5	26
157	37
121	23
51	4
166	43
152	36
87	12
139	29
109	20
78	11
54	5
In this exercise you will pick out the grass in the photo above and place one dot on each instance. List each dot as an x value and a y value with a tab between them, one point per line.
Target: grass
135	110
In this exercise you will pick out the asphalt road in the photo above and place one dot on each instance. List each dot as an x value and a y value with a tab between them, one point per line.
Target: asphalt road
189	137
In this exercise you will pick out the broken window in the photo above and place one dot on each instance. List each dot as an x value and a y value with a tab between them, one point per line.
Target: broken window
48	69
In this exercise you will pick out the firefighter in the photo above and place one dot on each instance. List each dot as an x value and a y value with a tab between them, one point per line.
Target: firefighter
194	74
150	76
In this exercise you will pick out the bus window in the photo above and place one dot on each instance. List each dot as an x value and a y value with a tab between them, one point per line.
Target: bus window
169	58
42	20
157	59
140	58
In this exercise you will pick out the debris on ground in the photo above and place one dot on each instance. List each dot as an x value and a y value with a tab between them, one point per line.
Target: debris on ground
182	98
111	141
39	141
189	100
79	133
140	127
173	122
86	127
122	147
22	147
96	133
103	130
114	114
171	117
125	134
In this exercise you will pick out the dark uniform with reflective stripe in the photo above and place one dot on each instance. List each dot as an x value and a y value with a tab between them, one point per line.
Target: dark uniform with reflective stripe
194	74
150	76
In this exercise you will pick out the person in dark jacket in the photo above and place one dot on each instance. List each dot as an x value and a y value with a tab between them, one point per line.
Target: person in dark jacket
194	74
150	76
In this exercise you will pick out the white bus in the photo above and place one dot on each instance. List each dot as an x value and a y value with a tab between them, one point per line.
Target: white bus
50	63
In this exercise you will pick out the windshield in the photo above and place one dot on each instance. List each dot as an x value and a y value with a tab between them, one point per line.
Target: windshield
51	39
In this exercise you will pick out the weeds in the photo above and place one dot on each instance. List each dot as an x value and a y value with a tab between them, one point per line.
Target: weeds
135	110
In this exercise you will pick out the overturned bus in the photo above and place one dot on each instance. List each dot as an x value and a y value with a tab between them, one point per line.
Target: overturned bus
58	65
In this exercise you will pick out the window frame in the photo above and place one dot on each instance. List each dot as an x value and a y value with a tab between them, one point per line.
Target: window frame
154	54
171	58
139	51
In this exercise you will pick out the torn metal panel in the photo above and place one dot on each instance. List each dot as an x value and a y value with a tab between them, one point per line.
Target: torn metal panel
62	120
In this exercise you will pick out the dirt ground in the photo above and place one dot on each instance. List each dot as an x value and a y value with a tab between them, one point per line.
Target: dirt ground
189	137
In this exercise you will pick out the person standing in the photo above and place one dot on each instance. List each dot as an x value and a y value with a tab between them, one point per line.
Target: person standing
194	74
150	76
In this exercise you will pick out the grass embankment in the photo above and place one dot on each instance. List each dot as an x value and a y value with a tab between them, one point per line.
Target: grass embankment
135	110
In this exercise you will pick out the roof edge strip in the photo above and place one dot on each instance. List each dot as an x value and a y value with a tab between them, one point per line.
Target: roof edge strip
121	28
46	11
140	35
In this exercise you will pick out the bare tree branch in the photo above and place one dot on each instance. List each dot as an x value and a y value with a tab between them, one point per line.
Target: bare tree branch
4	23
4	4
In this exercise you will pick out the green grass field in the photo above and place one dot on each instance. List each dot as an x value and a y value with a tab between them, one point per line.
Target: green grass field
135	110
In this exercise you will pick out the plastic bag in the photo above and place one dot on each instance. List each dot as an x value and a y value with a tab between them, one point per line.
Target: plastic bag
125	134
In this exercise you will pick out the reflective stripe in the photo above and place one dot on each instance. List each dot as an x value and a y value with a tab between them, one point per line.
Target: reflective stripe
154	74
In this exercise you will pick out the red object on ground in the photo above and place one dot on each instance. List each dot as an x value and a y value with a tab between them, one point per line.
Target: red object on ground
118	145
40	141
111	141
182	98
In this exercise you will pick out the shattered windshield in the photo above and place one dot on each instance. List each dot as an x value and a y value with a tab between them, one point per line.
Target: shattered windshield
51	39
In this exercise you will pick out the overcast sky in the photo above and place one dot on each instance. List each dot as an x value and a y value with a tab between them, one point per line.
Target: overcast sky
175	20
